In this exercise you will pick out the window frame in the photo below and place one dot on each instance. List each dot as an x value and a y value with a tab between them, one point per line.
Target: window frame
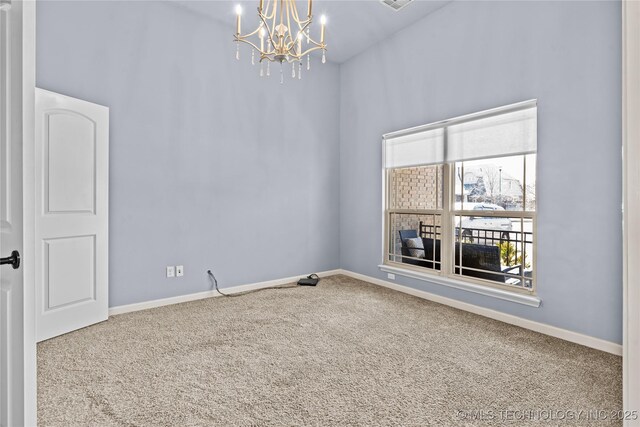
448	212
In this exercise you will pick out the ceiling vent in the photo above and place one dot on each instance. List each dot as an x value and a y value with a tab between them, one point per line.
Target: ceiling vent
396	4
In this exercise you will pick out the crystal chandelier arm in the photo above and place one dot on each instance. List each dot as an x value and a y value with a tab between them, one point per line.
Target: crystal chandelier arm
304	24
267	15
311	49
269	31
244	36
274	21
318	44
301	32
270	57
290	32
301	22
293	10
272	17
247	42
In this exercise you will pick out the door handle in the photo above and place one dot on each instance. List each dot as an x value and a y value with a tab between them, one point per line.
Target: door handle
14	260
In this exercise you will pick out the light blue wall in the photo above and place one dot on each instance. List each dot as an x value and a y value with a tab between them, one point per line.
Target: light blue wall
471	56
210	166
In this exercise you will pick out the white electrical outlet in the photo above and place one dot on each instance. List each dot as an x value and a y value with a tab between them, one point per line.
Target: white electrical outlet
171	271
391	276
179	270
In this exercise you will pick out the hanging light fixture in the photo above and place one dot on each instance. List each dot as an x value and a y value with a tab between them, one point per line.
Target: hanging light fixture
282	36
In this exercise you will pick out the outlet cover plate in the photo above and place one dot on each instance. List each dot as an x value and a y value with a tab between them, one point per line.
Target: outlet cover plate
171	271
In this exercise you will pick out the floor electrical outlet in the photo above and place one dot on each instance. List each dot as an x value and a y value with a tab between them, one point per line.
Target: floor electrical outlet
171	271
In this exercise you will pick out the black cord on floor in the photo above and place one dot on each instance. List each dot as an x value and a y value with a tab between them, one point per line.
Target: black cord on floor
215	284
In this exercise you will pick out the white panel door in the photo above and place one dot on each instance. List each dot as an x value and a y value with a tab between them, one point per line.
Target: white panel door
72	158
17	340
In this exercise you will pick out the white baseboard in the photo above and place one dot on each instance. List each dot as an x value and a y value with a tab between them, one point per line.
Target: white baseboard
542	328
210	294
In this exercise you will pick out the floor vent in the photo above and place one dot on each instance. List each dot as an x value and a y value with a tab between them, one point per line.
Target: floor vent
396	4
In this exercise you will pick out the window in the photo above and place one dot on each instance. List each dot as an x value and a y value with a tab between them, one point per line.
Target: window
460	198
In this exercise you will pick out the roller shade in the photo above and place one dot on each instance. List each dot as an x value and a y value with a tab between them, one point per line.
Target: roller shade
500	135
421	148
505	131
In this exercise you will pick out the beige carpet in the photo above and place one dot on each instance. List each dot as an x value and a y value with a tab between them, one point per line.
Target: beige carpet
344	353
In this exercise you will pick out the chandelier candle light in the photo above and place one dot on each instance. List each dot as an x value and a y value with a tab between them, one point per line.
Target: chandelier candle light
276	40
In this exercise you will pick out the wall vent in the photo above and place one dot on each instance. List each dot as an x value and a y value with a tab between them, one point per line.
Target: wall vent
396	4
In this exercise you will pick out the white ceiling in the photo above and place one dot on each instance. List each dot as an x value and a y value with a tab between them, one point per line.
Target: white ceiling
352	25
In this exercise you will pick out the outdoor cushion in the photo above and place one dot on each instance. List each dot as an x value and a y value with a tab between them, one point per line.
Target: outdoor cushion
416	248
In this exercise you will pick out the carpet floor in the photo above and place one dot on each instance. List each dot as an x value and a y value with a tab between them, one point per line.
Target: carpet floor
341	354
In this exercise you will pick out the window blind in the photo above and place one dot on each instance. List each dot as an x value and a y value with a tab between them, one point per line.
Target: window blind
414	149
500	135
505	131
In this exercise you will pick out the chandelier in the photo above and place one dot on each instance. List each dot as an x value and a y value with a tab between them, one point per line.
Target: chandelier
281	36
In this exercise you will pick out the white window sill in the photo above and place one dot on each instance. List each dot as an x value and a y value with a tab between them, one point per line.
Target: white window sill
530	300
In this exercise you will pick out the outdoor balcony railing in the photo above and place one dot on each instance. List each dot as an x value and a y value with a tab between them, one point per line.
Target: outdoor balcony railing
515	249
483	236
